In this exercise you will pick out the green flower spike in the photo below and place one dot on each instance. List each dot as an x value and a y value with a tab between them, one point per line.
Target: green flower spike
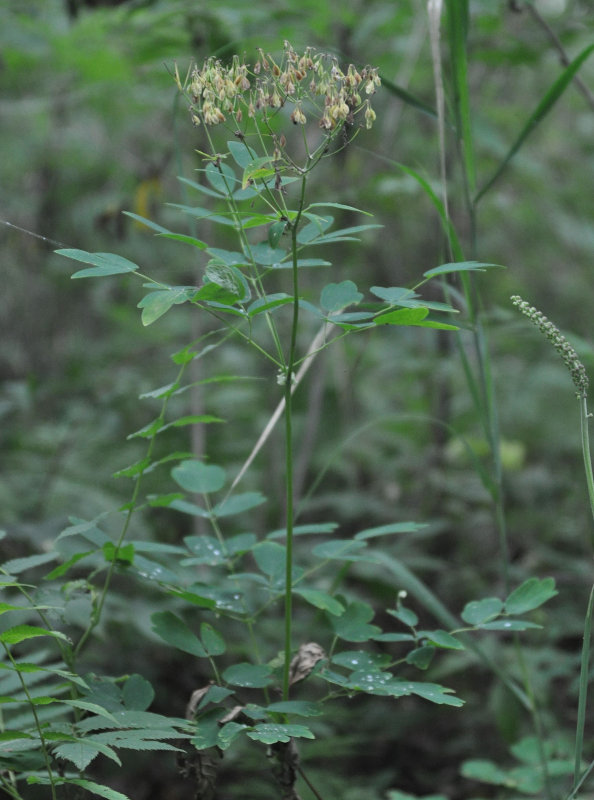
559	342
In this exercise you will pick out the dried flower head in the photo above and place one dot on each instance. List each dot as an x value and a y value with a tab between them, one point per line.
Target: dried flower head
559	342
312	84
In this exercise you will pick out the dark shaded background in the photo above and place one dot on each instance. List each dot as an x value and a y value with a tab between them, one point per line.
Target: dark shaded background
90	125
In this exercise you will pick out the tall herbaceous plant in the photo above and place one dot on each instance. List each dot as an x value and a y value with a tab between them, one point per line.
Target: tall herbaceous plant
267	125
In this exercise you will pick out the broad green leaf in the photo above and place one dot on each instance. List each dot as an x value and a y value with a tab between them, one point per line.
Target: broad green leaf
146	222
221	178
17	565
321	600
249	175
206	550
104	263
254	676
271	559
373	681
207	729
82	751
137	693
147	431
174	631
405	615
336	296
268	302
302	530
228	733
180	237
94	708
44	700
189	508
191	419
342	549
442	639
478	611
192	597
196	476
393	527
212	293
215	694
242	154
394	637
345	234
435	693
199	187
361	660
133	469
203	213
461	266
21	633
340	206
540	112
152	570
95	788
227	258
267	256
314	229
228	278
303	708
256	221
275	233
270	733
485	771
256	170
393	295
306	262
421	657
241	543
530	595
213	642
163	500
509	625
352	319
353	625
237	504
4	607
403	316
148	719
157	303
26	667
123	554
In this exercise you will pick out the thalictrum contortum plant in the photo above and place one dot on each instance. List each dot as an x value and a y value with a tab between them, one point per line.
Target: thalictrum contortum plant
311	84
255	100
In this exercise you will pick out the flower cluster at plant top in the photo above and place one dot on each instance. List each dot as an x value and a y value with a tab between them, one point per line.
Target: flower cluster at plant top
312	83
571	359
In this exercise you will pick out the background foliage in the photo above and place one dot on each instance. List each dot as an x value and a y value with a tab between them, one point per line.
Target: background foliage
91	126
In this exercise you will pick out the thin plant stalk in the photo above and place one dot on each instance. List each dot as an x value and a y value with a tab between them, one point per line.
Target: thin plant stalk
291	358
481	382
39	727
585	659
580	380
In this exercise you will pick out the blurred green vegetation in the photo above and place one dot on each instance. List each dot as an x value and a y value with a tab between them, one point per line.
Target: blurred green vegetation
91	126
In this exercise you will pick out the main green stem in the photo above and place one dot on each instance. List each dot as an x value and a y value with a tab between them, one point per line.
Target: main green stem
290	512
585	659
